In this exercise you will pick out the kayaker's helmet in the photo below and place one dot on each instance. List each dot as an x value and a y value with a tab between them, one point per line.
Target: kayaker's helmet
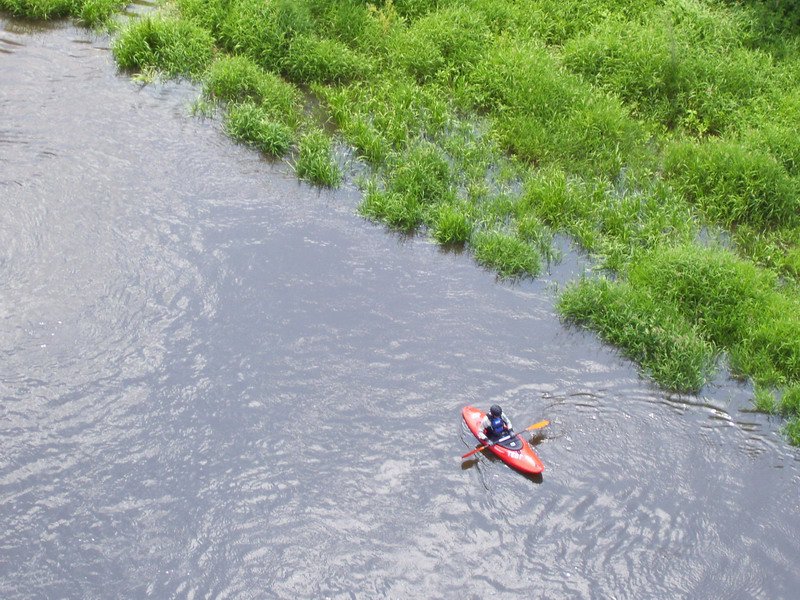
495	410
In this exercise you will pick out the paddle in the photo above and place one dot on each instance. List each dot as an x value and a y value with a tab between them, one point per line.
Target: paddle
538	425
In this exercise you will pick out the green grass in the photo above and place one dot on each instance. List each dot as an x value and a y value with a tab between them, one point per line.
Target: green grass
401	212
168	44
252	124
238	79
92	13
505	253
451	224
764	400
733	184
316	162
310	59
679	66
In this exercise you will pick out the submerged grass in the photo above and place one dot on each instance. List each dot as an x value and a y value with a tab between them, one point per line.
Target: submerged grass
640	128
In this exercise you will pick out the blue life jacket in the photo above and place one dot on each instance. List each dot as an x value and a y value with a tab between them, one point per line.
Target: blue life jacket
496	425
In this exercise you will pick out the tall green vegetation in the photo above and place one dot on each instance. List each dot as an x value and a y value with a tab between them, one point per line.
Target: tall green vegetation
88	12
176	47
662	136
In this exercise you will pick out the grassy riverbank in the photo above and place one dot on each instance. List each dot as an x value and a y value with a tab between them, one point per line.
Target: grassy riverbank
661	135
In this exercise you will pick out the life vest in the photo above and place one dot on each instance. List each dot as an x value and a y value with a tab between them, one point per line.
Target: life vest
496	425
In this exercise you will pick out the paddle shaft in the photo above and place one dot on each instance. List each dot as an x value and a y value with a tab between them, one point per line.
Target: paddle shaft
538	425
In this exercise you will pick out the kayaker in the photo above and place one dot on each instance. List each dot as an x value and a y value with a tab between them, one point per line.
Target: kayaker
495	424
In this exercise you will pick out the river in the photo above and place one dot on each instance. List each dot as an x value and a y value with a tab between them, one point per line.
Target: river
219	382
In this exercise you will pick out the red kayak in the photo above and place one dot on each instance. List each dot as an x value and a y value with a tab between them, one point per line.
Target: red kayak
513	451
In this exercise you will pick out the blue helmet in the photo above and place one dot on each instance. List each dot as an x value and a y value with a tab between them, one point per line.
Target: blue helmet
495	410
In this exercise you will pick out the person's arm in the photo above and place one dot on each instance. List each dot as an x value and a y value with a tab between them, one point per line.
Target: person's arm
507	421
484	426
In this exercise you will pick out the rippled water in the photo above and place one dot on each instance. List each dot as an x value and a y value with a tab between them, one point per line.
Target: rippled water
219	382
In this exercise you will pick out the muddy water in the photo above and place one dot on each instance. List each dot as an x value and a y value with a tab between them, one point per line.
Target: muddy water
218	382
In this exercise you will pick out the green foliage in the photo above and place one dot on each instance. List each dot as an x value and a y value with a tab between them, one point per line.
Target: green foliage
368	142
264	29
208	14
506	254
764	400
652	333
792	431
316	162
252	124
399	211
396	109
543	114
168	44
423	173
769	350
91	13
776	249
443	44
238	79
352	23
532	231
97	12
711	287
732	183
679	66
451	224
40	9
313	60
790	402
